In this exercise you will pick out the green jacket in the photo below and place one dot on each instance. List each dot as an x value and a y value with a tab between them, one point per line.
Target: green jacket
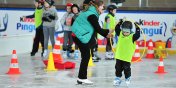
38	17
82	27
125	47
112	23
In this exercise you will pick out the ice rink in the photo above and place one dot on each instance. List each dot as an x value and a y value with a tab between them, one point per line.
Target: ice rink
102	74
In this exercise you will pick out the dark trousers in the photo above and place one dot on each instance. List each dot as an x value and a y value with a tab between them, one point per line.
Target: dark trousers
85	55
76	47
122	66
38	38
108	45
68	41
95	47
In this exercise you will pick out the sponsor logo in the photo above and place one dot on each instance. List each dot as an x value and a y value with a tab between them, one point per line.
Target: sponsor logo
26	24
152	27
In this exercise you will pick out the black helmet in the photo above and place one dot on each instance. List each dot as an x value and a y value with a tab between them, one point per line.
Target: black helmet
40	1
127	26
111	7
50	2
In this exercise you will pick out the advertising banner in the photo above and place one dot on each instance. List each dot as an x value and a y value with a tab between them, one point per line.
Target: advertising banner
155	25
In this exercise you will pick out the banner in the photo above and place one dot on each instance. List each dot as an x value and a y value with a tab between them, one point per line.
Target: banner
155	25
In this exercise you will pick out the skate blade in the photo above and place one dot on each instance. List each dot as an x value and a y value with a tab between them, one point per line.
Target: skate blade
116	85
127	85
82	83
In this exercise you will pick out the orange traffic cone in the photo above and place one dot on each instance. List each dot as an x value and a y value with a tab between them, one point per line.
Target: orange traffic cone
56	52
150	51
14	69
136	56
161	67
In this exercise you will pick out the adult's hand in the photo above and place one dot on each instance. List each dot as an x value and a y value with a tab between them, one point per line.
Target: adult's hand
110	35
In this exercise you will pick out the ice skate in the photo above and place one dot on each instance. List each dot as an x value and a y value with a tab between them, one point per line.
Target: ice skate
64	53
128	81
107	57
111	55
76	54
45	53
117	81
95	59
96	55
84	81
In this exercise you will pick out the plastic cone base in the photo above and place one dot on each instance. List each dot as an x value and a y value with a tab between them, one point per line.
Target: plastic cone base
136	60
13	72
150	56
69	65
160	70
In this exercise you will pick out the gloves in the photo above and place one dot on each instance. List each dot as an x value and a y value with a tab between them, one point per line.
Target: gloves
120	22
51	17
46	19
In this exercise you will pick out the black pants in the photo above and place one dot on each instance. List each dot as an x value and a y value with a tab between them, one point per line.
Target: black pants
76	47
94	48
68	41
85	55
38	38
122	66
108	45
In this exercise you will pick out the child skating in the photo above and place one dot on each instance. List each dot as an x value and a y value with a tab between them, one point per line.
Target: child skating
125	49
110	23
49	21
66	24
75	10
39	38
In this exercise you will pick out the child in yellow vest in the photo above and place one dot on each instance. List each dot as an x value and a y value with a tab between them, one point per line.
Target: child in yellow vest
125	49
110	23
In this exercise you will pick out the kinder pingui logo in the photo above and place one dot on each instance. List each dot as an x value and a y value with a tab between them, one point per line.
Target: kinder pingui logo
26	24
153	27
3	25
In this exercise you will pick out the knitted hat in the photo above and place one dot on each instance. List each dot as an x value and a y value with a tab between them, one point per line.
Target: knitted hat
69	4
